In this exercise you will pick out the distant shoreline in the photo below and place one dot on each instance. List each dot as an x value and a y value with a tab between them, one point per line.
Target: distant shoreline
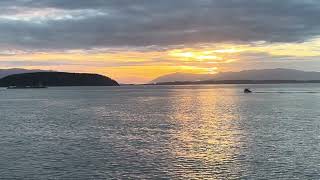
237	82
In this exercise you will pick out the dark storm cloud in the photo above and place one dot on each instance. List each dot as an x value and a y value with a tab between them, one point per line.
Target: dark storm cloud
165	22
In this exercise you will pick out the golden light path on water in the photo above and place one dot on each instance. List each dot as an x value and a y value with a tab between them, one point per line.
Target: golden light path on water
209	133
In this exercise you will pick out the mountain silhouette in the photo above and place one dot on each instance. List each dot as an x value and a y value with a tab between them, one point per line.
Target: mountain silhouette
254	75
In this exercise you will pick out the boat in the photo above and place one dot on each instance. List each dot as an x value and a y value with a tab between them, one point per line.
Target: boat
247	90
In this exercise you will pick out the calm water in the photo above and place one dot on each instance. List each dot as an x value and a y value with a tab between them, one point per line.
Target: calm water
169	132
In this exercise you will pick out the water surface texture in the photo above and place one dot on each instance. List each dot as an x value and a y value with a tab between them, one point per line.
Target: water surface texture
168	132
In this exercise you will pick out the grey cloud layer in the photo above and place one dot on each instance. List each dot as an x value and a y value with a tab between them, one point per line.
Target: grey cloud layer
165	22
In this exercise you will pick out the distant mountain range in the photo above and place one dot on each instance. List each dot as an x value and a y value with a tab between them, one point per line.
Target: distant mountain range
251	75
7	72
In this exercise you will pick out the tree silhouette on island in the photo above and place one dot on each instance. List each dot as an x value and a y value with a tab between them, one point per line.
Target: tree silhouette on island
57	79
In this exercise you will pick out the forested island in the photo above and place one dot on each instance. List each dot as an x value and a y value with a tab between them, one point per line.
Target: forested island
57	79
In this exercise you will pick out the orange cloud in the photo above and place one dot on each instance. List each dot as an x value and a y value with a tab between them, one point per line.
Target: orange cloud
134	65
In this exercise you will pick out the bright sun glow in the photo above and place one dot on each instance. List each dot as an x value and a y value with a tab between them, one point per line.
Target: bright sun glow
134	65
202	55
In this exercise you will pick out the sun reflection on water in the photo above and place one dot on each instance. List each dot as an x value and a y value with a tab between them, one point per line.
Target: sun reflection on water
208	135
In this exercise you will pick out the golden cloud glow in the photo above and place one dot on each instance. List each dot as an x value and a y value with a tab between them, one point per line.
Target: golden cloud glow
300	49
134	65
127	65
193	55
228	50
206	55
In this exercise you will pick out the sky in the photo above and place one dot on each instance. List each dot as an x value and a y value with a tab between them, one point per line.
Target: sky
135	41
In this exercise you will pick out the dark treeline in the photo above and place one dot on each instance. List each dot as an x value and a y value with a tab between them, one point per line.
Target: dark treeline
57	79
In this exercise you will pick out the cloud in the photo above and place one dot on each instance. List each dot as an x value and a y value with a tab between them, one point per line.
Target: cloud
267	61
83	24
35	15
24	63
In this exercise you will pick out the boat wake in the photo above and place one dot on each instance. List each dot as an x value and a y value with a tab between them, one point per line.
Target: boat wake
286	92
